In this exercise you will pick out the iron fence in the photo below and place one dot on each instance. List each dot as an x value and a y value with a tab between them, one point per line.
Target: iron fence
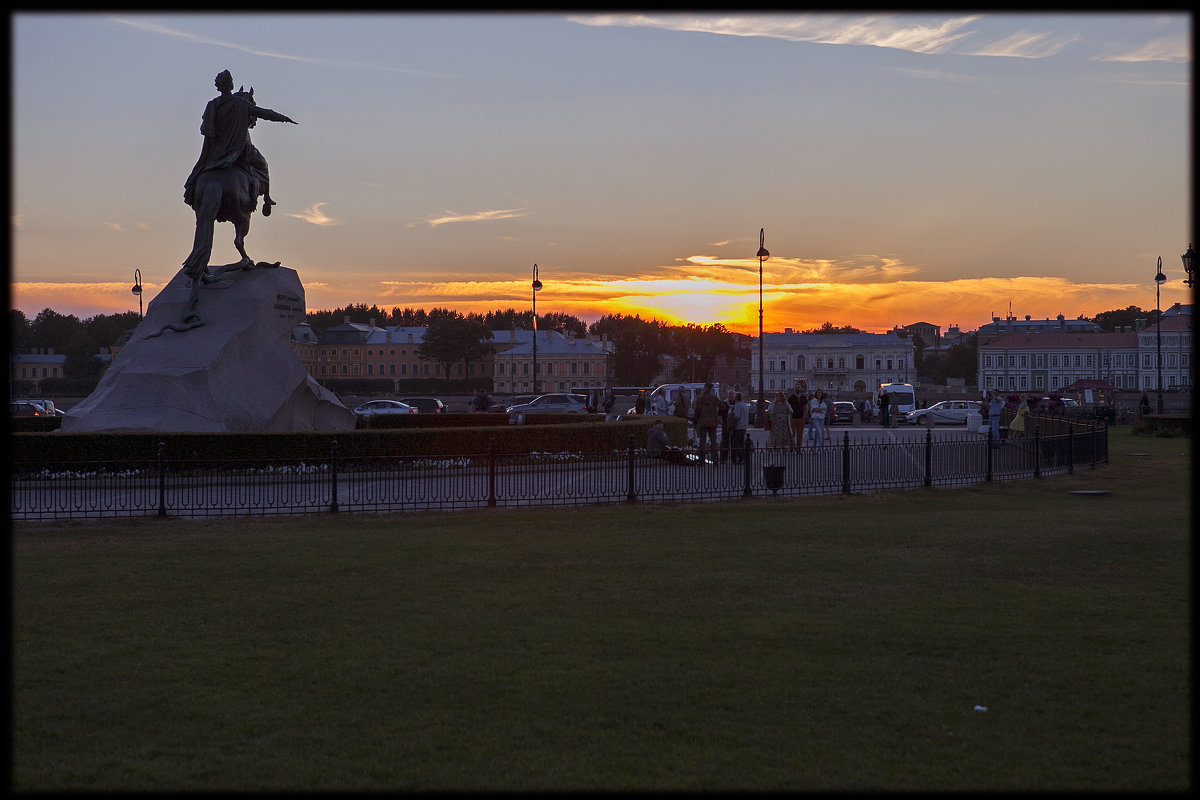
218	487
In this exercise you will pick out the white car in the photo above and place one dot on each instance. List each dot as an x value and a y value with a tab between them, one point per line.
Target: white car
947	412
553	404
373	407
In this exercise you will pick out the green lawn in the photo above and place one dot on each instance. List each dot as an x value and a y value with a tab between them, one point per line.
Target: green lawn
773	644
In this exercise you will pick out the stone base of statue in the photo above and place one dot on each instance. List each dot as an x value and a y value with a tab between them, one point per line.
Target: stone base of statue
218	361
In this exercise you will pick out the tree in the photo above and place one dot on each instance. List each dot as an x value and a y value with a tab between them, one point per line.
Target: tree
451	338
698	348
828	327
51	329
638	347
1116	320
557	320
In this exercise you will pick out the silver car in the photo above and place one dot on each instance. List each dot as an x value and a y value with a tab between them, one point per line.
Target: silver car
947	412
553	404
373	407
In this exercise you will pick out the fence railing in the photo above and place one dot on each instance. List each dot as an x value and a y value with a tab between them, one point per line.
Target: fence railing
217	487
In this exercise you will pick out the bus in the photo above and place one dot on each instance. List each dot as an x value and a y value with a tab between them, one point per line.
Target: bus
902	392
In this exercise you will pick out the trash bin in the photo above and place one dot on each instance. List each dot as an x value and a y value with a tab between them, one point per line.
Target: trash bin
974	421
773	476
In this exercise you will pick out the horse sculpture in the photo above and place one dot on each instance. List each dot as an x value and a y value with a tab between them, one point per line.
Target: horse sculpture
225	185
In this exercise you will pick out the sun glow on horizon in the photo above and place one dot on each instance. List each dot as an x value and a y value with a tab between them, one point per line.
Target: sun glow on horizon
730	299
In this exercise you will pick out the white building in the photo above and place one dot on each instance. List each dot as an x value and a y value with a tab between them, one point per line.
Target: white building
834	362
1046	362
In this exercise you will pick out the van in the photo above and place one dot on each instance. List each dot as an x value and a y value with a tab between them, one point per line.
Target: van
662	399
903	392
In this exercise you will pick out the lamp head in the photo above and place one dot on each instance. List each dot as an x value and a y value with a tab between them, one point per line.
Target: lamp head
1159	278
1187	263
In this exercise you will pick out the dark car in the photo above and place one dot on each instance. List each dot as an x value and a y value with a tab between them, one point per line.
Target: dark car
425	405
24	408
515	400
843	412
557	403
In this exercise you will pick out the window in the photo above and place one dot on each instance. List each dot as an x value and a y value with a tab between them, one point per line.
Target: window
859	363
841	362
889	363
1170	359
1054	360
1145	360
800	362
1039	382
1091	361
1012	362
1041	360
1077	360
987	361
771	366
1024	361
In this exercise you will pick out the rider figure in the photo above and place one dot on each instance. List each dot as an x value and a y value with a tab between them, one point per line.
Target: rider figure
226	129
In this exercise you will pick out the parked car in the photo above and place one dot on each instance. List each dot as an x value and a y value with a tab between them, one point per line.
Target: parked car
372	407
425	405
553	404
502	406
25	408
47	406
947	412
843	412
1054	403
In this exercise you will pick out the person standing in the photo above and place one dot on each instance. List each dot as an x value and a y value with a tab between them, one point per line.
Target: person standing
739	417
779	417
1018	423
708	414
797	406
681	404
893	409
639	405
995	406
829	414
816	417
608	403
884	408
727	424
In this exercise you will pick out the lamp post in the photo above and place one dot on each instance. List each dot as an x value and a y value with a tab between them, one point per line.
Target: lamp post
1159	279
537	286
137	289
1187	264
763	255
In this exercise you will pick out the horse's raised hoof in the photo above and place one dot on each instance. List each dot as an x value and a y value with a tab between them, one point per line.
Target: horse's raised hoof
267	203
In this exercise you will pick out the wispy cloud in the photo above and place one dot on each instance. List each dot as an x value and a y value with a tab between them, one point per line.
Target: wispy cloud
1173	49
163	30
1024	44
896	32
314	215
476	216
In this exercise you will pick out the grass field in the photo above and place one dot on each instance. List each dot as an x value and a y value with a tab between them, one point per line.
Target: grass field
830	643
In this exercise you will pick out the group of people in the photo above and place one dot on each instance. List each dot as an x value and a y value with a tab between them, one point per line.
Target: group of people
993	406
790	419
731	416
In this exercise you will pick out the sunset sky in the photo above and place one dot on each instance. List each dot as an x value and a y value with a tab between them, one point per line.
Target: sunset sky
941	168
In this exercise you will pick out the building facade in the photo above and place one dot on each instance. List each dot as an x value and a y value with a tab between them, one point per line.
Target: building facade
1047	362
999	328
357	350
833	362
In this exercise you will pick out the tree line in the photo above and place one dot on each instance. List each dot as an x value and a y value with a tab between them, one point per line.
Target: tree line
640	346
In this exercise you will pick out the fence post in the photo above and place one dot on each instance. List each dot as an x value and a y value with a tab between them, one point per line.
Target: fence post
990	449
1037	451
1070	448
492	471
1094	448
746	451
929	457
845	462
162	479
630	494
333	487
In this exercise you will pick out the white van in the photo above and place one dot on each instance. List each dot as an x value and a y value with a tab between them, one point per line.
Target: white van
662	399
903	392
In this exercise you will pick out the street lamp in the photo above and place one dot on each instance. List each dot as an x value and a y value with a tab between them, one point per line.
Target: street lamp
537	286
1187	264
763	255
1159	280
137	289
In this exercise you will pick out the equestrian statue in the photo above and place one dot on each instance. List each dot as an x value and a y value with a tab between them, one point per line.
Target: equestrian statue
224	186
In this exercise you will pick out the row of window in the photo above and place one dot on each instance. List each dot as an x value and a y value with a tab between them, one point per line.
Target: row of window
1086	360
827	362
1020	383
577	367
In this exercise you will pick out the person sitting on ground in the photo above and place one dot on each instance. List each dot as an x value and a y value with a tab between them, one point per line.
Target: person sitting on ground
657	445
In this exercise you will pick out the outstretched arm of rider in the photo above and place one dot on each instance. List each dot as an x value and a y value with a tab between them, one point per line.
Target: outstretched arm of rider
272	116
